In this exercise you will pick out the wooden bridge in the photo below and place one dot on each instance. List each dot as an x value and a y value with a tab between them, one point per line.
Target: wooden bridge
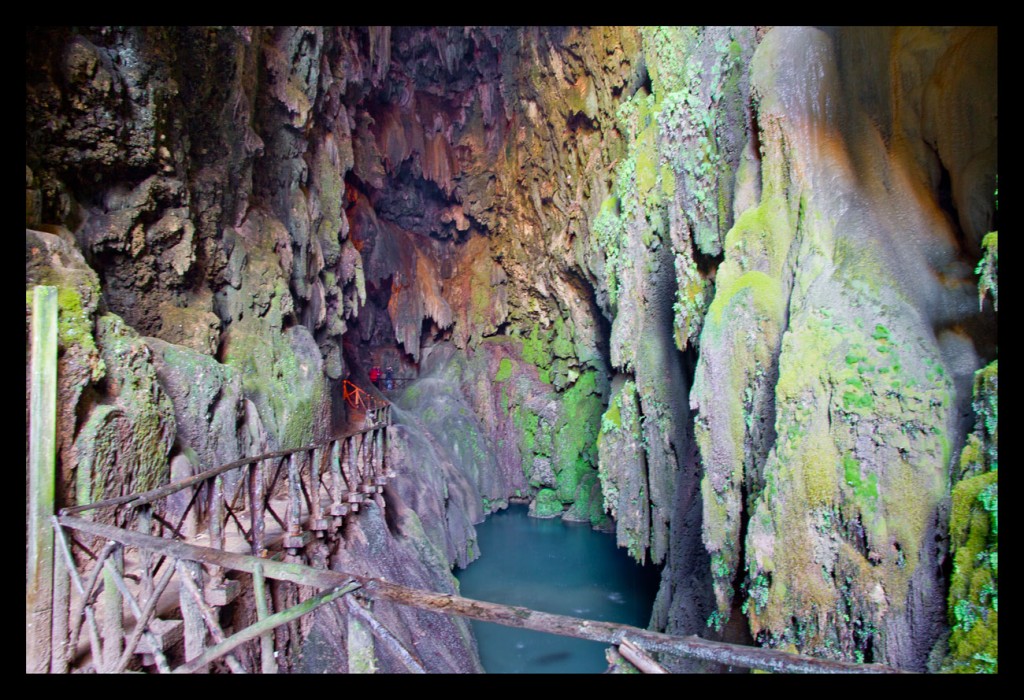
137	583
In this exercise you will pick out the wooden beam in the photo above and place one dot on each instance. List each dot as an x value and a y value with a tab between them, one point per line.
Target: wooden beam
208	615
258	629
512	616
42	463
259	589
384	635
639	658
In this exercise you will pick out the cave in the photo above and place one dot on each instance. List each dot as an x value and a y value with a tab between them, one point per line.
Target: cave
729	293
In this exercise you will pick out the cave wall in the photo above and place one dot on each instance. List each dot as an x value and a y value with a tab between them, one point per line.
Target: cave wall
714	282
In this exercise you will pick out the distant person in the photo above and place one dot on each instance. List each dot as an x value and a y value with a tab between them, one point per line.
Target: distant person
375	376
389	377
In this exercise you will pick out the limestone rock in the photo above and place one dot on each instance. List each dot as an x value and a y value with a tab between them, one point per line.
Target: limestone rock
194	328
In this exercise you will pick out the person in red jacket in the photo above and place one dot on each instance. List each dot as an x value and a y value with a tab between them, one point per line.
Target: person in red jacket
375	375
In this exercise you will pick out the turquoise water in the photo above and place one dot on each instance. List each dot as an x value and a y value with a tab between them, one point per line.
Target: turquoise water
556	567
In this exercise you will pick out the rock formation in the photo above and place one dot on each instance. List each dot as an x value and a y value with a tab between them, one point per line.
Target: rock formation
713	288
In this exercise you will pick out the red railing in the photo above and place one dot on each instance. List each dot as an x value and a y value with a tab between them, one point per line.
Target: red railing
359	399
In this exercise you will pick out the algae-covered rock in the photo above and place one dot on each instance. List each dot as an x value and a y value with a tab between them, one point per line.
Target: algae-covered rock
281	368
622	470
124	447
840	465
547	504
213	423
282	374
974	541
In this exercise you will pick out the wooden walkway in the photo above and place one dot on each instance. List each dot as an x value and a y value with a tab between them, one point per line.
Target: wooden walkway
286	506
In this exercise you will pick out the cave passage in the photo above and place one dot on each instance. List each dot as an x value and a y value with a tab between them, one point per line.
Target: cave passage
557	567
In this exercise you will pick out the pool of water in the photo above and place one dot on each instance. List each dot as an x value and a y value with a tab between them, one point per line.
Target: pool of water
556	567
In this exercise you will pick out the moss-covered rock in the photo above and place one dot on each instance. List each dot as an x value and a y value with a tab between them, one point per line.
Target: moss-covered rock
974	542
622	470
124	447
546	504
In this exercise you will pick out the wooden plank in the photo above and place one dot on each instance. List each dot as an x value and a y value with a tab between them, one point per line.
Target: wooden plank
513	616
42	481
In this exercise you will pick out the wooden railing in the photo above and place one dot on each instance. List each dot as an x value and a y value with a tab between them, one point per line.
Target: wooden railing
291	501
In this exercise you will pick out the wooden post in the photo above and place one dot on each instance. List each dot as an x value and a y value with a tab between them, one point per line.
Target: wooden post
294	497
256	508
259	589
42	481
61	656
195	628
113	610
216	526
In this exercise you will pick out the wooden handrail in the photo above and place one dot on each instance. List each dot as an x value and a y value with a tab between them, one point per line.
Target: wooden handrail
358	398
690	646
144	497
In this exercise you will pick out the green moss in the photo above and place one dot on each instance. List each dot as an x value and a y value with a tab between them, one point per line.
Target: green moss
547	504
569	479
988	270
579	423
647	161
612	418
866	490
74	326
563	345
536	352
766	292
668	181
504	370
973	592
